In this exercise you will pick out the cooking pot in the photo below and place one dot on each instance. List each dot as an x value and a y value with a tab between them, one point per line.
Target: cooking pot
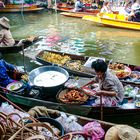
48	90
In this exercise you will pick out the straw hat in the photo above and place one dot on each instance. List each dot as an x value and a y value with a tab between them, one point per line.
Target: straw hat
122	132
4	22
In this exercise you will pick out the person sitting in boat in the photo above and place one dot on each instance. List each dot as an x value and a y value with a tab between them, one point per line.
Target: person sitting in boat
4	67
70	2
79	6
106	8
126	10
111	89
6	38
1	4
135	12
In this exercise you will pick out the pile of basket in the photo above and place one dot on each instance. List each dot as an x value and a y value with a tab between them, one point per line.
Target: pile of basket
12	130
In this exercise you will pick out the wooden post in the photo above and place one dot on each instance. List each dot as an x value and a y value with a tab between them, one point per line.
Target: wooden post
101	105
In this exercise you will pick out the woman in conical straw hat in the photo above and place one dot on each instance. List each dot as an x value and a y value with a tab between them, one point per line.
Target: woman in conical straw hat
6	38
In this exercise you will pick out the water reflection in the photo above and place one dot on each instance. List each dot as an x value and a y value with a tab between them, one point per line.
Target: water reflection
117	44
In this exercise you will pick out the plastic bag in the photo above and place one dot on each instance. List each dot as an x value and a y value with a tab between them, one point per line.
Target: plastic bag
94	129
71	124
8	109
62	118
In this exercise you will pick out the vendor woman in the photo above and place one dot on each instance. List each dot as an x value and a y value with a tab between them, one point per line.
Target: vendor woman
111	89
6	38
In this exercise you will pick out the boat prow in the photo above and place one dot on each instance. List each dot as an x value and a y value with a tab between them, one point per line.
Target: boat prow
19	46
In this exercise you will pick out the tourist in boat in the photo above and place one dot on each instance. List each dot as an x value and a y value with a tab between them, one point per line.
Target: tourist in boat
111	89
70	2
126	10
6	38
135	12
106	8
4	67
79	6
1	4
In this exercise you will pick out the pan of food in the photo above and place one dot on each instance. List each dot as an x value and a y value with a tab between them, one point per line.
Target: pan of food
49	78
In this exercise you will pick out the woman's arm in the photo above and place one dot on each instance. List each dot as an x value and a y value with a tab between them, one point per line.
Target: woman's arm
106	93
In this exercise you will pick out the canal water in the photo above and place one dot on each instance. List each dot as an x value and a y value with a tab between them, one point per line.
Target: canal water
117	44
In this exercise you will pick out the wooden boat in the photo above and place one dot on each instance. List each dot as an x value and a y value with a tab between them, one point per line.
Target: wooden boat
78	14
68	11
81	120
52	114
63	7
15	48
86	72
113	20
72	56
11	8
109	113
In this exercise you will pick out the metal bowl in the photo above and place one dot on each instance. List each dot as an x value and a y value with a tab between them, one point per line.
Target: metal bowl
49	90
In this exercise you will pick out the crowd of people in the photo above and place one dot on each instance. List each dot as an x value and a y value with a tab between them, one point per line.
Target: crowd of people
130	9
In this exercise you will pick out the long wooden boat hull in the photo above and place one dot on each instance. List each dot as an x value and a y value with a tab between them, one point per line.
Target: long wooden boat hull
64	9
70	11
12	8
113	22
109	113
16	49
80	119
77	14
88	72
41	98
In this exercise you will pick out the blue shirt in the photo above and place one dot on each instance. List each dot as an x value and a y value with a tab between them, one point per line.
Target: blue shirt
4	78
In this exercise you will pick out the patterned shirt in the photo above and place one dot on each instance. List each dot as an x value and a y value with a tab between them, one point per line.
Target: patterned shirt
112	83
4	78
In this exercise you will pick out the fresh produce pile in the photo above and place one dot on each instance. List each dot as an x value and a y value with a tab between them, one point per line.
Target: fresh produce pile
75	65
130	91
73	96
137	104
117	66
55	58
120	70
63	60
134	77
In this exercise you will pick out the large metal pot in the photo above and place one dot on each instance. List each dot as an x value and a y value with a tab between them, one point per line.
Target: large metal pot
48	91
